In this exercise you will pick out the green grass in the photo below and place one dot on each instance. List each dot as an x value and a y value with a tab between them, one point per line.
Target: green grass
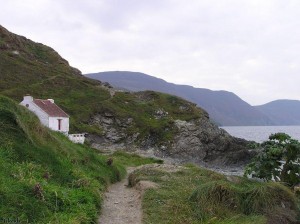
195	195
45	178
72	177
132	160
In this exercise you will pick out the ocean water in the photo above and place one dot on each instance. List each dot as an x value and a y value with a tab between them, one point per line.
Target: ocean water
261	133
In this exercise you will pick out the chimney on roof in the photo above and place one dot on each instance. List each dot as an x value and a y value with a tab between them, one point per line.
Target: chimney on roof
28	98
51	100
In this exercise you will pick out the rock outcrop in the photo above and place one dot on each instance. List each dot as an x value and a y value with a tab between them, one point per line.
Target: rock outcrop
197	140
202	141
114	131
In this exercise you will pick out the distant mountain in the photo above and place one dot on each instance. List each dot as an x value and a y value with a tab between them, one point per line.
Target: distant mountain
224	107
282	112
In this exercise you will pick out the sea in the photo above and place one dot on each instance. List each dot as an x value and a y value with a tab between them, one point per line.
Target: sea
261	133
258	134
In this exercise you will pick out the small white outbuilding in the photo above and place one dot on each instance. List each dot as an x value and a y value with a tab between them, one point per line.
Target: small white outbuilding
51	116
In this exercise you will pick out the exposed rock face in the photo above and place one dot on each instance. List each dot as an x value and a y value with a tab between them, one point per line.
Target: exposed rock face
198	141
202	141
114	131
160	113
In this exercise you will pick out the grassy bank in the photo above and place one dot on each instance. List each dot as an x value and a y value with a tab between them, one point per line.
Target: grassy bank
132	160
194	195
45	178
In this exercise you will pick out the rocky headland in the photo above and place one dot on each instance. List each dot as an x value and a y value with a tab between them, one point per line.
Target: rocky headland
197	140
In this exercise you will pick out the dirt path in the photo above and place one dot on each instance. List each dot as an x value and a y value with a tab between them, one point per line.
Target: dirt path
122	205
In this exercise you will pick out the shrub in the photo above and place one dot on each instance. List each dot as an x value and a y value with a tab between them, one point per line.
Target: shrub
278	160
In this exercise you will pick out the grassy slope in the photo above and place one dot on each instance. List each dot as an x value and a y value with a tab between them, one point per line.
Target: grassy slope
142	108
38	70
72	177
196	195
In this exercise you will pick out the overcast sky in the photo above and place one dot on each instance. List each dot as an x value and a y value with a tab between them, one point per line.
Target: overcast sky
249	47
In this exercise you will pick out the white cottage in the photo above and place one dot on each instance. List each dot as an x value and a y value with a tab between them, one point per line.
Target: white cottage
51	116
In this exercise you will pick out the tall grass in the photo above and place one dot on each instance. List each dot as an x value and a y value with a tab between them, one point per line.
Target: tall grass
45	178
223	197
194	195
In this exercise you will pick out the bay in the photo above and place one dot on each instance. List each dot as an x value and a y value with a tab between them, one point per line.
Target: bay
261	133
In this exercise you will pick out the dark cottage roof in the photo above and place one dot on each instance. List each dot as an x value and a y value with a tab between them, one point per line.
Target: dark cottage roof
50	108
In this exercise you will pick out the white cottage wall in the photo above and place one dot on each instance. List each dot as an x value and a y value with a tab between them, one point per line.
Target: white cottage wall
42	115
64	125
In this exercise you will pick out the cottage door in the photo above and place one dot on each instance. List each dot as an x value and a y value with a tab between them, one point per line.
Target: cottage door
59	124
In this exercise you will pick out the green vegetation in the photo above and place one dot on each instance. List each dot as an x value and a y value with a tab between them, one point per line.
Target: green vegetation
44	178
39	71
142	107
278	160
195	195
131	160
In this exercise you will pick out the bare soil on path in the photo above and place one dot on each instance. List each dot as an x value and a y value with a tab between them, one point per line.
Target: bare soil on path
122	204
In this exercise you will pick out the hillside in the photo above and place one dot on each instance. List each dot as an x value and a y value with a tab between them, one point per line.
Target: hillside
44	178
38	70
27	67
225	108
146	120
282	112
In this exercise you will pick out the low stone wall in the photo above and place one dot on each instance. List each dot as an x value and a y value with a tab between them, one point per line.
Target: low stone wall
77	138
